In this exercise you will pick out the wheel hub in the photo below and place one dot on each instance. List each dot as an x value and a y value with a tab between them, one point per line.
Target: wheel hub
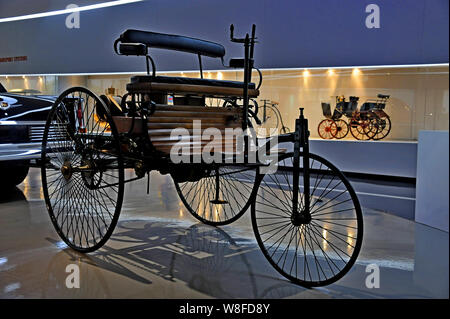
218	202
300	218
66	170
90	174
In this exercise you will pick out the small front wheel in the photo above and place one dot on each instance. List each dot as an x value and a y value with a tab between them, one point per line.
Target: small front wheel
327	129
313	251
221	196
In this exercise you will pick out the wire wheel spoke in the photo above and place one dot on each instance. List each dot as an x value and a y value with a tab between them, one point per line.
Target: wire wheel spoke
220	195
383	125
82	184
341	129
316	252
360	127
327	129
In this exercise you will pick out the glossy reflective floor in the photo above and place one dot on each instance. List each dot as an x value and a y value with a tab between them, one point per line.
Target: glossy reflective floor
159	251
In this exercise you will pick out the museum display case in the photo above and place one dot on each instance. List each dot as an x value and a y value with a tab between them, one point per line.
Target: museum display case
418	100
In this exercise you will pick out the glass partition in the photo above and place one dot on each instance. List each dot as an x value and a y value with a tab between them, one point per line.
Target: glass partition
418	96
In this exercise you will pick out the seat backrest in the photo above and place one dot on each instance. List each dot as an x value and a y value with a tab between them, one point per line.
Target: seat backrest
339	110
171	42
326	109
367	106
350	107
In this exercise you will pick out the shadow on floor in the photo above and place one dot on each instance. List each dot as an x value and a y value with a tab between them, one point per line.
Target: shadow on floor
205	258
209	261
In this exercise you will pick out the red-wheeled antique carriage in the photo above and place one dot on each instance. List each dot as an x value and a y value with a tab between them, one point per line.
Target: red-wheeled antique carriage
369	122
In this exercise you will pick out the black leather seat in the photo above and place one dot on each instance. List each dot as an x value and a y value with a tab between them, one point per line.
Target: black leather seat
177	43
190	81
326	110
173	42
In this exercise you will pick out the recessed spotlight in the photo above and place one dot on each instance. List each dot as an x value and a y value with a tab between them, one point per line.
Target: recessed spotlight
356	71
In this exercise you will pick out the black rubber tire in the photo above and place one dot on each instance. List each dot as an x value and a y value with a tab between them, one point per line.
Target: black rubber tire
92	210
271	187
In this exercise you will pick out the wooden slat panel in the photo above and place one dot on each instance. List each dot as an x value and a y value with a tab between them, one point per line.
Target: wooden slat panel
205	115
124	124
191	125
195	141
202	144
160	125
183	119
166	132
188	89
200	109
187	138
196	148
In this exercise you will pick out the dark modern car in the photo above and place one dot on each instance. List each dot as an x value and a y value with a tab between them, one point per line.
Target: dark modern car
23	113
22	121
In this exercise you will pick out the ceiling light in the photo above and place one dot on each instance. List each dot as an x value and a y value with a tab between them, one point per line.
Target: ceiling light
356	71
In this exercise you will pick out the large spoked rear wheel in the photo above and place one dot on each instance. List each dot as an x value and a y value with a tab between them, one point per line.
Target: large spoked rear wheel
360	128
82	170
311	252
383	127
222	196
